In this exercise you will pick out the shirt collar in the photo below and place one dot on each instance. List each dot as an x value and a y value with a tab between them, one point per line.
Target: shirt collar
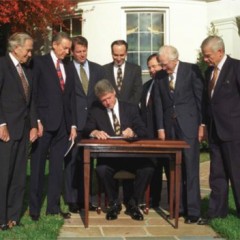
15	61
220	64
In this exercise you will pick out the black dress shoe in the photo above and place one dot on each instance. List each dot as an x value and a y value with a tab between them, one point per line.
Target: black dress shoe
3	227
73	208
134	212
34	218
204	221
112	212
191	219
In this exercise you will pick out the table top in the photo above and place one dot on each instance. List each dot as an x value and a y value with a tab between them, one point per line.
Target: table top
133	142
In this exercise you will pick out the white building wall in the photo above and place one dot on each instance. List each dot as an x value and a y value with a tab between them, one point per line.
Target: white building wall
188	22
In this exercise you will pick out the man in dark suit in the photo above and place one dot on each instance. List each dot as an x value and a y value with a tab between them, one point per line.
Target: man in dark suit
111	117
84	98
17	117
147	112
125	77
223	117
179	116
54	97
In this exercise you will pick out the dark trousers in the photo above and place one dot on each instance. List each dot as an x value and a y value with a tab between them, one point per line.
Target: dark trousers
12	178
224	167
190	203
52	144
143	168
157	180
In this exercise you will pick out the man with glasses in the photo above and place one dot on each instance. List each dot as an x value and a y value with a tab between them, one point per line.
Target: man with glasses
178	99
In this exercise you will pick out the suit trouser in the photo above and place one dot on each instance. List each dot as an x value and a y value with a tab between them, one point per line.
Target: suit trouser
143	169
13	163
190	203
224	167
52	144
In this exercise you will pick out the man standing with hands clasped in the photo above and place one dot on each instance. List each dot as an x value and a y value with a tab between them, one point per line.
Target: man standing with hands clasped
18	124
223	118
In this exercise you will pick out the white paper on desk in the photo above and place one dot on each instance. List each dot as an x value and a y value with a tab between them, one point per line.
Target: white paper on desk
116	137
69	146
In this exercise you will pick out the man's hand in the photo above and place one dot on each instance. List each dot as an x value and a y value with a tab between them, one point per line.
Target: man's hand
73	134
128	133
161	134
40	129
201	133
4	134
99	134
33	135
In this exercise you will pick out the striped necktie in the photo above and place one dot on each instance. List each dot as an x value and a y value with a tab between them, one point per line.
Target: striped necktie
23	80
60	76
84	79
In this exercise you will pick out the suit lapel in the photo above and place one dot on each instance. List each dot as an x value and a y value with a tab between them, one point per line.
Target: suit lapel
15	75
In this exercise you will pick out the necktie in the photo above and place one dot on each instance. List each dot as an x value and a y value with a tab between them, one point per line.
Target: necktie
116	124
171	82
84	79
213	81
60	76
23	80
119	78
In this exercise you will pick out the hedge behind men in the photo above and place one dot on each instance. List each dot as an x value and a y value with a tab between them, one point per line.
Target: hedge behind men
179	116
223	118
54	97
17	117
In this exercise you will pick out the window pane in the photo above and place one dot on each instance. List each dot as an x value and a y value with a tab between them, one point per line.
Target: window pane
132	23
132	40
133	58
76	27
143	60
157	22
145	22
157	41
145	42
66	26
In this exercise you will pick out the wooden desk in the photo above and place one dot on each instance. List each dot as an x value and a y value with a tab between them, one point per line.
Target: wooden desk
93	148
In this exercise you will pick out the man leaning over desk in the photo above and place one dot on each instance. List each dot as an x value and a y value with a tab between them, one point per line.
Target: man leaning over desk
110	117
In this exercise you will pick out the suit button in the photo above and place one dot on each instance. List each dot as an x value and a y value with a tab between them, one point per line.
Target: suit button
86	108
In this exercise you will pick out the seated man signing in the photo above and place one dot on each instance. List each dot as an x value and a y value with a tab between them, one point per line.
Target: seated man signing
110	117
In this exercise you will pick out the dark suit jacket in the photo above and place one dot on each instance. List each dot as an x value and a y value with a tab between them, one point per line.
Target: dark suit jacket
224	106
132	82
185	104
129	117
52	104
14	108
83	102
147	112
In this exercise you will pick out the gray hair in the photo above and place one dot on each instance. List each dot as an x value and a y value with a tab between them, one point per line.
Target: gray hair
103	87
170	51
214	42
59	36
17	39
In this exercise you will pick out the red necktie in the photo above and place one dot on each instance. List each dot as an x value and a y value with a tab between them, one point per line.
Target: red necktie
23	80
60	76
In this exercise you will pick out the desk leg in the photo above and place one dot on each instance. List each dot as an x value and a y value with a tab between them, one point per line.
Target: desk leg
86	161
172	187
177	185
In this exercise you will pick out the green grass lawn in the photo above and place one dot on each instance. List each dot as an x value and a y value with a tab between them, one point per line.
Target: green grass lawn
47	228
